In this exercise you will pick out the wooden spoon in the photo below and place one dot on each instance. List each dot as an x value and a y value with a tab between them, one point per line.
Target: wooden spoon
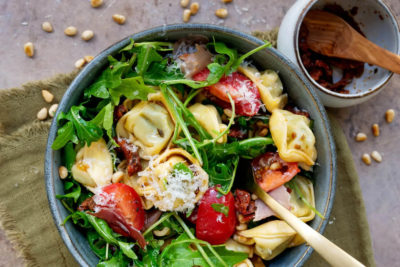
329	251
330	35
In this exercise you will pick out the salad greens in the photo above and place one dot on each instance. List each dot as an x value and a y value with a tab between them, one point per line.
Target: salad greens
138	70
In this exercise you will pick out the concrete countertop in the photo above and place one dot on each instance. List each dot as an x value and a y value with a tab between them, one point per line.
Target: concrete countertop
20	22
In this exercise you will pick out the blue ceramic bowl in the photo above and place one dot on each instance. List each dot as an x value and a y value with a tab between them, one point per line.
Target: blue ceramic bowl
297	86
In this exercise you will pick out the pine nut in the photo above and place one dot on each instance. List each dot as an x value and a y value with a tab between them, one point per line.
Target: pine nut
194	8
375	129
63	172
96	3
52	110
88	58
47	96
186	15
221	13
360	137
29	50
376	156
228	112
275	166
120	19
70	31
47	27
226	1
389	115
243	240
163	232
366	158
241	227
87	35
117	177
42	114
254	196
184	3
80	63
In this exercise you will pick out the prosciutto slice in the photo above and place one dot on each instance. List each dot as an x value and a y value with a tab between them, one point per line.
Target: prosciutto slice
280	194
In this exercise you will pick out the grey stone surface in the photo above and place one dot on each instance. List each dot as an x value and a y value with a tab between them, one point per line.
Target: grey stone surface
20	22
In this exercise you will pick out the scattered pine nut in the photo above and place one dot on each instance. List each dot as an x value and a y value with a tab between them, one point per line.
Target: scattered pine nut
63	172
88	58
120	19
87	35
360	137
186	15
29	50
184	3
375	129
376	156
194	8
42	114
226	1
70	31
221	13
52	110
117	177
80	63
366	158
389	115
47	27
96	3
47	96
254	196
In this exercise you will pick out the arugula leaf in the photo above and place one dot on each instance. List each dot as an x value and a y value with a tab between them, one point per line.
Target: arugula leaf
218	207
239	61
221	48
97	244
105	119
146	55
87	132
179	254
69	155
65	134
181	167
75	193
131	88
117	260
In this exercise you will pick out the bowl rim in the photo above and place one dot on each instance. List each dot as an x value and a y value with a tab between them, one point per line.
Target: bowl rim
49	155
378	87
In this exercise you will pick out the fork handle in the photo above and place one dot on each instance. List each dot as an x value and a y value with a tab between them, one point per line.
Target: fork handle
328	250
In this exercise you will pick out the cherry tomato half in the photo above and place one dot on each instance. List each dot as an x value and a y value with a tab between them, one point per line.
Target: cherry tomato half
212	224
121	207
242	90
271	171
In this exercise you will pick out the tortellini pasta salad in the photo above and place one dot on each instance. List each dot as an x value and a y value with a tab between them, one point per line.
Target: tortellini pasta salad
153	151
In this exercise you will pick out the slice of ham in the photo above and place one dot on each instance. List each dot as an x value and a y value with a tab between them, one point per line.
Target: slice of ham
280	194
193	63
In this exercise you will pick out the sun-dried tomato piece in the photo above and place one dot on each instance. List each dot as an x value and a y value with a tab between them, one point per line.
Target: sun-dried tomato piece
131	154
244	204
119	111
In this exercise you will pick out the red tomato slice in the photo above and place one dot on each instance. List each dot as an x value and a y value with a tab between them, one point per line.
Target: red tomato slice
242	90
214	226
121	207
271	171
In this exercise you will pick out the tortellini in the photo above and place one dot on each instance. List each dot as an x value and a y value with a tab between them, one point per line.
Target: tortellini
93	165
148	125
172	190
273	237
269	85
209	119
293	137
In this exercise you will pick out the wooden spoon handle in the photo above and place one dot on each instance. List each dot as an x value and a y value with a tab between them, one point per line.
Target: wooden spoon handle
366	51
329	251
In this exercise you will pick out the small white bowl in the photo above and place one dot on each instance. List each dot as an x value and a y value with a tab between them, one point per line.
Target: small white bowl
378	24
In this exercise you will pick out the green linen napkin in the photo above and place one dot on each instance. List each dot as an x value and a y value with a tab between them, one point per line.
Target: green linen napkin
25	215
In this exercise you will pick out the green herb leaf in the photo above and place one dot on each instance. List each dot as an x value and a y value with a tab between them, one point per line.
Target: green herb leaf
86	131
75	193
131	88
239	61
146	55
218	207
65	134
69	155
181	167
